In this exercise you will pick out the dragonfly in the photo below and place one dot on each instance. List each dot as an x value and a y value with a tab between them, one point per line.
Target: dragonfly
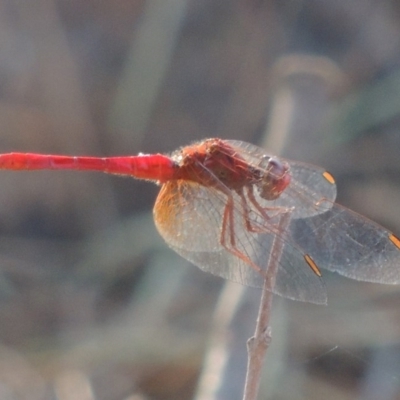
220	205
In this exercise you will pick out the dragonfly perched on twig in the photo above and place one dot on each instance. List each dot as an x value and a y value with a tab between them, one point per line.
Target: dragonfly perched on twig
220	204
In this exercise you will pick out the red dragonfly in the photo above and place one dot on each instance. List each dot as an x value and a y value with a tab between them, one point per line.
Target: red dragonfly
220	205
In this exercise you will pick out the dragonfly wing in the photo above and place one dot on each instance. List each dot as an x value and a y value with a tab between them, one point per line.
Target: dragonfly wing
189	217
296	280
343	241
309	184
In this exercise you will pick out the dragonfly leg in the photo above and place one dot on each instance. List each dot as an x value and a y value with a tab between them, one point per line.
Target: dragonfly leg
267	213
228	229
246	215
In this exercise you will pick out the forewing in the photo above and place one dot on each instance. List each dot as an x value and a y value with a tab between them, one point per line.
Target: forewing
309	184
189	217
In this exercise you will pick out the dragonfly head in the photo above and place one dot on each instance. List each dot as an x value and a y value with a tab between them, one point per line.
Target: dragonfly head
273	178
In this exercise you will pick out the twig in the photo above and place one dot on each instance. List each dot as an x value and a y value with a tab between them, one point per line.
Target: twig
258	344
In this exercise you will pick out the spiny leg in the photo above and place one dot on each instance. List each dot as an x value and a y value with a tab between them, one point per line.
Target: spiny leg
228	223
246	216
262	210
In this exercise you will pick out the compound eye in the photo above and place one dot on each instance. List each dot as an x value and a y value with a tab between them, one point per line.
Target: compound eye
270	163
265	160
276	168
274	163
274	178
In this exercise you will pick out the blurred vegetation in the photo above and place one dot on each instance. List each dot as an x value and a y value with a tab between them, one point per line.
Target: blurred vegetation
92	303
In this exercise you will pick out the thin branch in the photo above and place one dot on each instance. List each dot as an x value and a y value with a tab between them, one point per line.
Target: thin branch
257	345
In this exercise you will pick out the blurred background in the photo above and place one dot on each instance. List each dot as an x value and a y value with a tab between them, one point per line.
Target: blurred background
93	305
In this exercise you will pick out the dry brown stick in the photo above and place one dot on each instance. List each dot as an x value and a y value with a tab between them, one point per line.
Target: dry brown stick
258	344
